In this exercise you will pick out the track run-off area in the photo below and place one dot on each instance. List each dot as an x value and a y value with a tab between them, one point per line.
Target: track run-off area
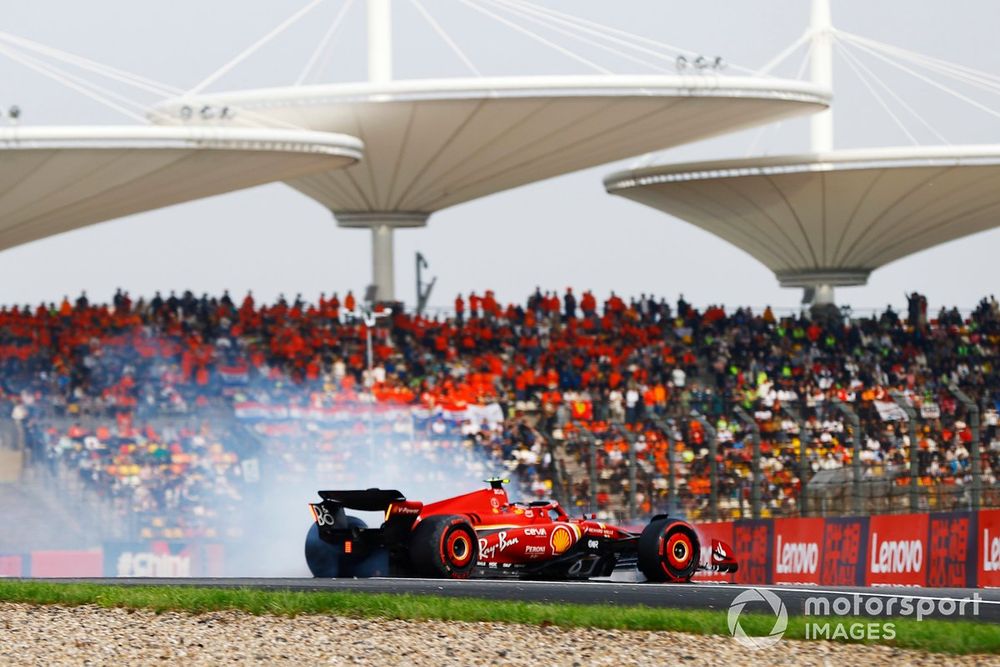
981	605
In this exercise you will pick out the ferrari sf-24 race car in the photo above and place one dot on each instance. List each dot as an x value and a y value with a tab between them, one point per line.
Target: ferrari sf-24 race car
483	534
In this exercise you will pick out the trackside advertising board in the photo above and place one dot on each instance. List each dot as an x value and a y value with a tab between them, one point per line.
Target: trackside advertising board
987	548
942	549
951	562
162	558
66	563
797	551
752	544
897	550
845	542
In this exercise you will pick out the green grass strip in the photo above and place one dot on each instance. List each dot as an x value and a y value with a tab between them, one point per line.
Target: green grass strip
953	637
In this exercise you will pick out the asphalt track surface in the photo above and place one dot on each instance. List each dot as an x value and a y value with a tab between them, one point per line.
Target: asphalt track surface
935	602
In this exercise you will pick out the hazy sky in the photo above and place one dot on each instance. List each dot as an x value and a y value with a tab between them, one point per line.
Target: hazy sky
564	231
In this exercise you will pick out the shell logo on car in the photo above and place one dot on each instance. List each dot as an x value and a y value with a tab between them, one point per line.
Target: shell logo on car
562	539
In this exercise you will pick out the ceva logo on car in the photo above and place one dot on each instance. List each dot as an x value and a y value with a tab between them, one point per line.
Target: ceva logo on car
797	557
991	552
896	556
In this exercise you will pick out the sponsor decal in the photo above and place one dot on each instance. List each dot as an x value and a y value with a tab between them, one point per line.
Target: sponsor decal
593	544
161	558
896	550
797	558
530	549
601	531
797	550
535	532
145	564
488	550
991	551
562	539
896	556
988	548
495	504
322	515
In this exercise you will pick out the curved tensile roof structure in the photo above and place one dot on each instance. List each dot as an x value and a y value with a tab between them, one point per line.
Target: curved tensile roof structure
832	218
55	179
431	144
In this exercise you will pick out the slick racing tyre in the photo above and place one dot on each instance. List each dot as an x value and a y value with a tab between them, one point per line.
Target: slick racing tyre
668	551
444	547
324	558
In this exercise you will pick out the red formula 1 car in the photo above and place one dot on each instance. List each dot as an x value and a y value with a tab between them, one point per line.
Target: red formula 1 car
483	534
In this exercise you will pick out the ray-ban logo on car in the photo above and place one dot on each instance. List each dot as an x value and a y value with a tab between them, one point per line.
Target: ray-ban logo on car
777	608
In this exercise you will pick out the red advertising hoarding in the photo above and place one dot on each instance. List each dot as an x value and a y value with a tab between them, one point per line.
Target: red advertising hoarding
12	565
752	544
950	550
897	550
797	551
988	548
845	540
66	563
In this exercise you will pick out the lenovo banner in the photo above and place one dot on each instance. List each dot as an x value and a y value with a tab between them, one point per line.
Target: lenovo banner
797	551
945	549
988	548
897	550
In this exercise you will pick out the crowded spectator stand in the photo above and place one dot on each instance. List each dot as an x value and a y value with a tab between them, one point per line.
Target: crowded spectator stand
171	409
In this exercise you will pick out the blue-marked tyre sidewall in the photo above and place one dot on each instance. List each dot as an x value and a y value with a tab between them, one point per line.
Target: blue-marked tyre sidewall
322	558
325	559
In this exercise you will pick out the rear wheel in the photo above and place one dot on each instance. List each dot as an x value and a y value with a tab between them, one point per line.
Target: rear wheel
444	546
668	551
323	558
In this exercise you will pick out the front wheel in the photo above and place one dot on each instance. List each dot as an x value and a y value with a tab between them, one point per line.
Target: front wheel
444	547
668	551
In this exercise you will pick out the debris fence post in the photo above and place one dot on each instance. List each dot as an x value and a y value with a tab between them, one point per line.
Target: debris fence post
911	419
755	471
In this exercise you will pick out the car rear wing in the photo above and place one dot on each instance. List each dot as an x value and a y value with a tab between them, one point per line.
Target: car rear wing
367	500
332	520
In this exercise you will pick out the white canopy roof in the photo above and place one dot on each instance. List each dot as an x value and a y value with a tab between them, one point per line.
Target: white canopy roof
829	218
431	144
54	179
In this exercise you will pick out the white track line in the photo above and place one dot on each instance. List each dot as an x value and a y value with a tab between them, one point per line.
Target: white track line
776	588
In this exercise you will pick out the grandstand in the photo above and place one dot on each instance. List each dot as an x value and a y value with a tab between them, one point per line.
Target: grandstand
205	419
165	413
